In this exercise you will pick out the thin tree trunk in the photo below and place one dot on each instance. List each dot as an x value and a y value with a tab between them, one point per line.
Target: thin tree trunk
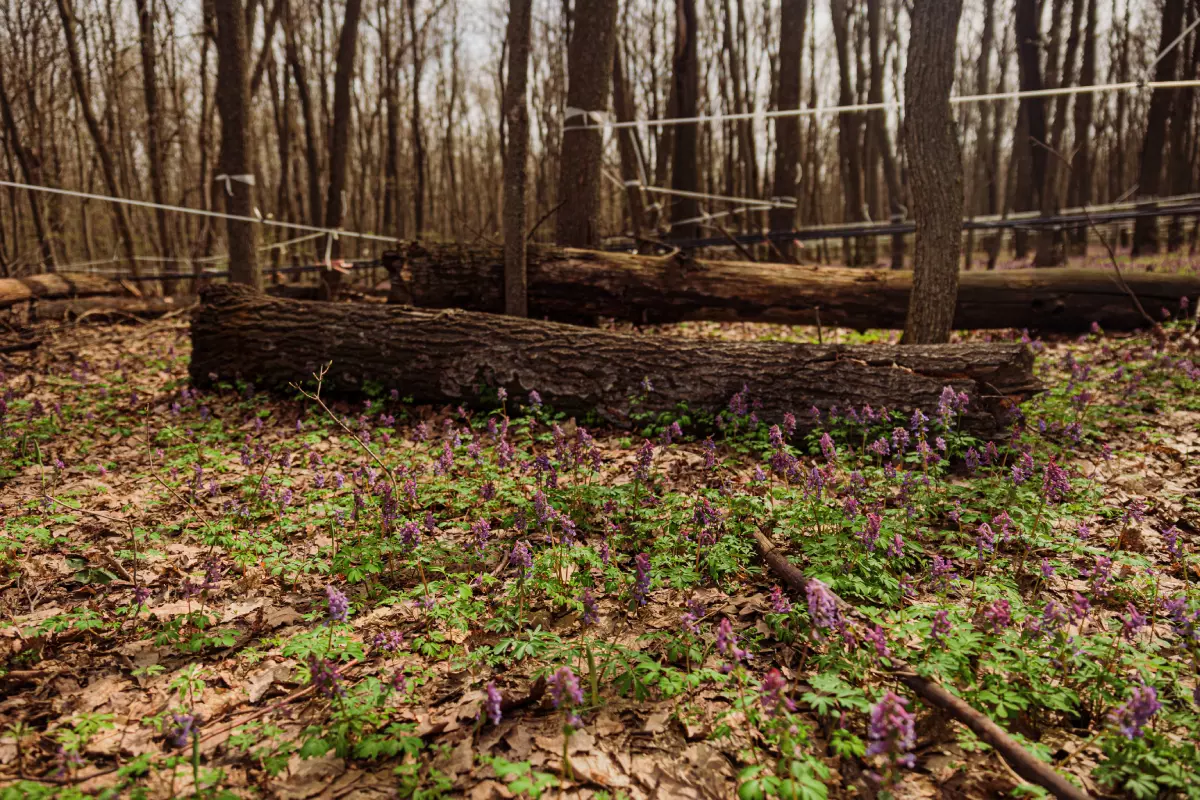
1050	251
418	139
1030	137
793	16
589	64
1154	142
29	173
1182	139
686	86
311	154
107	165
878	131
146	14
237	154
1081	162
630	147
516	161
849	158
931	141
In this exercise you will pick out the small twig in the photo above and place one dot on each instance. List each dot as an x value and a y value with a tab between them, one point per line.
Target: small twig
545	217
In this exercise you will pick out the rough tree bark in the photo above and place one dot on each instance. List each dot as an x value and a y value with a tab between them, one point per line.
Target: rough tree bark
581	285
454	356
29	173
55	287
107	165
878	132
1183	143
1080	192
931	141
1154	142
589	65
237	154
629	145
1031	116
516	161
154	156
849	155
686	87
793	14
339	142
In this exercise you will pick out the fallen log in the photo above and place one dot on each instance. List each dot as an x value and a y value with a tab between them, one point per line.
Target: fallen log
1021	760
454	356
109	308
56	286
578	285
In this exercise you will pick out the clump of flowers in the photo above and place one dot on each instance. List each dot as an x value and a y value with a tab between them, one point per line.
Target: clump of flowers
779	603
892	733
1131	717
326	679
591	613
641	582
492	705
339	605
567	695
772	695
822	605
727	645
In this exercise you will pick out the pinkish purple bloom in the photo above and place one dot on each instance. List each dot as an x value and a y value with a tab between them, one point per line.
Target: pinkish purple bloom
772	694
892	731
1136	712
492	706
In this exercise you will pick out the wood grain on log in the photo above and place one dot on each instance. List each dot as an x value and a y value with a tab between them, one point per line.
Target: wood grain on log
56	286
574	285
455	356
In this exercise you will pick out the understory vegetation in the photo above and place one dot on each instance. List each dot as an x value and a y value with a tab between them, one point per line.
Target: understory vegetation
218	594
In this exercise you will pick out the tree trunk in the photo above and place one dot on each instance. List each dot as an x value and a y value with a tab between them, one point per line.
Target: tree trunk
1030	137
1081	163
30	175
931	141
449	357
154	155
793	15
1154	142
339	142
312	160
1050	250
581	285
418	138
849	156
878	131
237	154
630	147
589	64
516	161
686	83
107	165
1183	141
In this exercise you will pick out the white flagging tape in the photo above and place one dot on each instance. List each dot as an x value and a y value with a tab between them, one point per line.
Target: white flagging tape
598	117
889	105
296	226
249	180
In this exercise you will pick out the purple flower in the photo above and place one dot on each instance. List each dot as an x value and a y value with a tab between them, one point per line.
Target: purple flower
482	531
535	399
388	641
1023	469
827	448
869	535
339	606
564	689
184	727
1132	622
772	695
1055	483
985	539
779	603
999	614
521	558
899	440
591	613
1171	543
880	447
325	677
1047	569
691	618
878	639
891	730
1131	717
645	456
727	643
822	605
641	583
1080	607
789	423
941	626
1099	576
492	706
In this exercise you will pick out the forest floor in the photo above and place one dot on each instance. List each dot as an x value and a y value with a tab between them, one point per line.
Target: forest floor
235	594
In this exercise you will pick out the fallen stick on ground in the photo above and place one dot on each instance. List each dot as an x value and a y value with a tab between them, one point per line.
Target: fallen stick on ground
1021	761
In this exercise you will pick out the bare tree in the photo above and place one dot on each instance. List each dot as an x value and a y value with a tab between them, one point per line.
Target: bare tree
146	14
686	87
793	14
237	155
29	173
1154	142
107	164
516	114
931	141
629	146
849	127
589	61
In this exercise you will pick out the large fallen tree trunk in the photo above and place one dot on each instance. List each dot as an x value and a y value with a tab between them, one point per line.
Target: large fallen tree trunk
1021	760
574	285
56	287
455	356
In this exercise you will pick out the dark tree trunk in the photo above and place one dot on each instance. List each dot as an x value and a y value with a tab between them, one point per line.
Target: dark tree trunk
418	137
878	131
1183	140
29	173
980	179
589	64
849	125
312	161
237	153
339	142
154	148
1154	142
447	357
686	80
580	285
931	141
630	147
1030	138
793	15
516	161
1081	163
